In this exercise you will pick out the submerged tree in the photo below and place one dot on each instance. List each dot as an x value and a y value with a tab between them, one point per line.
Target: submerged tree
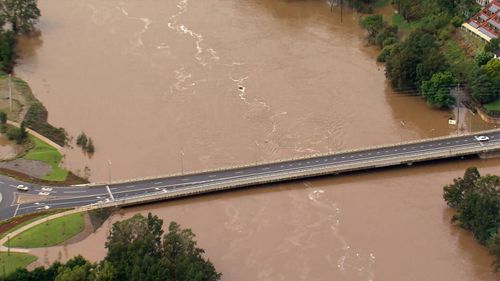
21	14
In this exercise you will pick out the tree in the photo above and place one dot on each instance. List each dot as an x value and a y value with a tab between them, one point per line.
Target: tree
494	248
492	46
411	60
90	146
3	118
436	91
7	55
492	68
453	194
483	57
82	140
483	87
373	24
22	14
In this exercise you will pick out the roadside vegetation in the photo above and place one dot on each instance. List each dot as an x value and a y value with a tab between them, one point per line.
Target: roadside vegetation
476	200
47	154
427	54
138	249
50	233
12	224
9	262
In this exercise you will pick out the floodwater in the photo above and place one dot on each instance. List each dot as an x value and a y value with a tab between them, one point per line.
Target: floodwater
161	87
385	225
166	87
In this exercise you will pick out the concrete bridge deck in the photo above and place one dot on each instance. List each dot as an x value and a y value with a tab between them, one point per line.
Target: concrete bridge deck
163	188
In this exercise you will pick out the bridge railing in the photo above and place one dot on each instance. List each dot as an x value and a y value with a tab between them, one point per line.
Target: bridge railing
305	172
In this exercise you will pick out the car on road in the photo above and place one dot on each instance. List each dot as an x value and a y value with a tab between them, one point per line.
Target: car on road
46	188
481	138
43	193
22	187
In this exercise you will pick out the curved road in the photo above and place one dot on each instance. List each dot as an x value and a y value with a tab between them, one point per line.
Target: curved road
64	197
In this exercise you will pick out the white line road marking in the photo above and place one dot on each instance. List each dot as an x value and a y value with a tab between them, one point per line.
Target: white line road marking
158	182
17	208
265	168
238	172
130	186
212	176
79	191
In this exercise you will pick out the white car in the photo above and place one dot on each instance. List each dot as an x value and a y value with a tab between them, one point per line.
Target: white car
46	188
481	138
43	193
22	187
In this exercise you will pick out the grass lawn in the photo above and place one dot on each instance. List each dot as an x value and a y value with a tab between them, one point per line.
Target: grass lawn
494	105
381	3
11	262
404	26
50	233
46	153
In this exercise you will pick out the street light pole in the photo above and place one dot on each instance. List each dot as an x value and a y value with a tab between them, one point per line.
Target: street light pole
182	162
109	172
10	92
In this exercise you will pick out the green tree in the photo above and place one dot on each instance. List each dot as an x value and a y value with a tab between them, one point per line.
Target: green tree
373	24
494	249
483	87
3	118
82	140
492	68
483	57
453	194
7	55
90	146
436	91
492	46
412	60
22	14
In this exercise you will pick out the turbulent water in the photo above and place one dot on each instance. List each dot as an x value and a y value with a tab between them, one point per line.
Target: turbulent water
165	87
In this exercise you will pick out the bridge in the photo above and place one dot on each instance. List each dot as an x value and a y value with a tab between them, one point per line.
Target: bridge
135	192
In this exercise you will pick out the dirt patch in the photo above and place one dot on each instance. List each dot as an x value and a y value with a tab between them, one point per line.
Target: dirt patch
32	168
71	179
87	230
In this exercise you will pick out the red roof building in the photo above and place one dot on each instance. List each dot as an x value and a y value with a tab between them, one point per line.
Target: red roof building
486	23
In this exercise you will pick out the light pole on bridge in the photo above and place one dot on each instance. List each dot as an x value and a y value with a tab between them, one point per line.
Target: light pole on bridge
109	172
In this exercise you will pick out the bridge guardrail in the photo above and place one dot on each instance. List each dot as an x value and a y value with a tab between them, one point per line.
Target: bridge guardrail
296	174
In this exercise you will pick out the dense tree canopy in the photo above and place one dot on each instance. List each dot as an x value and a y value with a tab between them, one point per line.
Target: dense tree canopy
136	252
21	14
477	201
436	91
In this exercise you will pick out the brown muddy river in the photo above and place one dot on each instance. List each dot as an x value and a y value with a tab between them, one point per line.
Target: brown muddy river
166	86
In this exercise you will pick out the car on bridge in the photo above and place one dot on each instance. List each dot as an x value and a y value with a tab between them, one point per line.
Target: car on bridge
481	138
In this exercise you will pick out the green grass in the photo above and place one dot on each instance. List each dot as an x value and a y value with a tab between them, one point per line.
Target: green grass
381	3
50	233
494	105
10	262
46	153
404	26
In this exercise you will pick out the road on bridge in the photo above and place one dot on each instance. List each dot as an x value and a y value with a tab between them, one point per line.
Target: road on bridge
68	197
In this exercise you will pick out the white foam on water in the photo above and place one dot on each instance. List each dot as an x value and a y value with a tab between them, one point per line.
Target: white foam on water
348	261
